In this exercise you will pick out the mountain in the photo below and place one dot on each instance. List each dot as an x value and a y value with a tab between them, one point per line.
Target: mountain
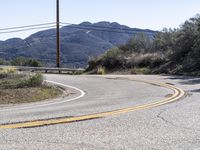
78	43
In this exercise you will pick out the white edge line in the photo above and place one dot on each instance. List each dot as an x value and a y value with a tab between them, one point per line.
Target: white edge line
53	103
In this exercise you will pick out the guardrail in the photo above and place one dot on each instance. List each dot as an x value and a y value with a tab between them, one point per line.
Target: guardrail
44	69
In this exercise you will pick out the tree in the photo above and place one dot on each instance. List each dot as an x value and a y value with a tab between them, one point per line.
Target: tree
22	61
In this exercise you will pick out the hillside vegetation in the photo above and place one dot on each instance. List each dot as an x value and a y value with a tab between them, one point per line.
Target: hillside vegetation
21	61
171	51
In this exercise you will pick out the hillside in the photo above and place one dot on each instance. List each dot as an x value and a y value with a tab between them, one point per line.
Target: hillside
78	43
172	51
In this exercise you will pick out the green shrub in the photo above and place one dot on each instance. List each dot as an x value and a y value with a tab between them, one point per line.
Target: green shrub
18	80
92	63
32	81
35	80
3	75
33	63
2	62
22	61
112	59
101	70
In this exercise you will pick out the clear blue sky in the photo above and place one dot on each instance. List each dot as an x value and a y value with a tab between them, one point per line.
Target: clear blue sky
151	14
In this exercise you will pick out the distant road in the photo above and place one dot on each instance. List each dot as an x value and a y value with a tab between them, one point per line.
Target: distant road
135	116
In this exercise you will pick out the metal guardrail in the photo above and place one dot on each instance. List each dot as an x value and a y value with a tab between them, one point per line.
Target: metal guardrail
45	69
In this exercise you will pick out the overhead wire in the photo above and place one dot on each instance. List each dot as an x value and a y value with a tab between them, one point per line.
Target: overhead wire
27	26
35	28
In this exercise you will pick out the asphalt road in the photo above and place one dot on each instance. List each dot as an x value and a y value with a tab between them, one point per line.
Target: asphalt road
172	126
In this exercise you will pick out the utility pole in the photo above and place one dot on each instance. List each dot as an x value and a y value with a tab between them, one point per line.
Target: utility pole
58	32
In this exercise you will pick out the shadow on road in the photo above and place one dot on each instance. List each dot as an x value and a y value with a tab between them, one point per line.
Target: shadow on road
197	90
186	80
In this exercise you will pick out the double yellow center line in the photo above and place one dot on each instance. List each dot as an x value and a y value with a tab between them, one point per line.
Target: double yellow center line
177	94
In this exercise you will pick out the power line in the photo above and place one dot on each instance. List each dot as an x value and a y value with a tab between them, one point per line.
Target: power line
28	26
21	30
78	27
74	26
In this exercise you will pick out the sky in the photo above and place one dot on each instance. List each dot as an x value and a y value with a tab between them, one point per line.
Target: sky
145	14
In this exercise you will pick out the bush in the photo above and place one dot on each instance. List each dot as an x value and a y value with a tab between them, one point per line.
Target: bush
3	75
145	60
22	61
25	81
101	70
112	59
32	81
19	61
35	80
92	63
33	63
2	61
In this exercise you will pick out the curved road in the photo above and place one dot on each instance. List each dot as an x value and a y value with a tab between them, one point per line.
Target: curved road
171	126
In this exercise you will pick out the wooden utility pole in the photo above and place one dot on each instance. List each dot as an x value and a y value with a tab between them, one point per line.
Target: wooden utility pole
58	32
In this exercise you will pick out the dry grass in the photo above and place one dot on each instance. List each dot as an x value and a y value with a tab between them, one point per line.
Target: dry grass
21	88
27	95
140	71
8	70
144	60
